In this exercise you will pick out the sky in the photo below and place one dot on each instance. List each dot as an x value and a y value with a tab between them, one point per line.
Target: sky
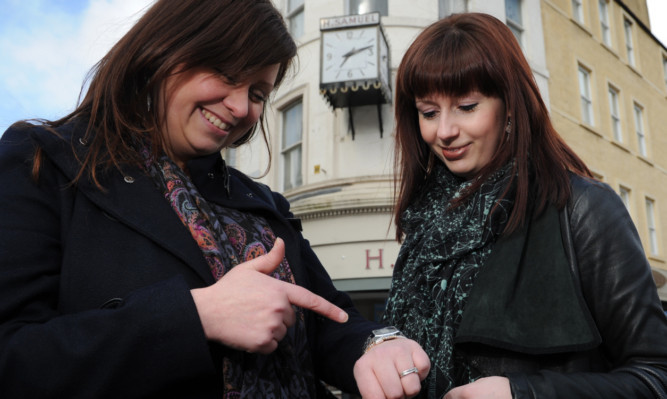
48	46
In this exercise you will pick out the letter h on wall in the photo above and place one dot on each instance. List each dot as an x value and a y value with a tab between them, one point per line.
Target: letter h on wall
369	258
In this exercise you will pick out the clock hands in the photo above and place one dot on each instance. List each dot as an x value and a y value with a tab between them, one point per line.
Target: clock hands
353	52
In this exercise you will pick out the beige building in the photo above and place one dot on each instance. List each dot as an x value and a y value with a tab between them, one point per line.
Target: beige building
335	164
608	92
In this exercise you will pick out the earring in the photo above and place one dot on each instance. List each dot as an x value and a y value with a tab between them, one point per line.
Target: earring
508	128
148	102
429	164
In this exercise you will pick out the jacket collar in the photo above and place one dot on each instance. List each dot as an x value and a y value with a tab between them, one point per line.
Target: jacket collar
226	186
525	297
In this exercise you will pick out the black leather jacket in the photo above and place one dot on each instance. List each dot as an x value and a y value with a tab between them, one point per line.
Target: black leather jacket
567	307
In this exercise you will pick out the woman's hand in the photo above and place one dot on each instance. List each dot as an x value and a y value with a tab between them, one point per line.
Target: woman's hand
484	388
249	310
378	371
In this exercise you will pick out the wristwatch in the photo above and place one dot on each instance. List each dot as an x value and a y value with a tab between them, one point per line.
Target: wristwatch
381	335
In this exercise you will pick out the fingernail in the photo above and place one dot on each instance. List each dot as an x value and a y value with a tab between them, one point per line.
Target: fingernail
343	317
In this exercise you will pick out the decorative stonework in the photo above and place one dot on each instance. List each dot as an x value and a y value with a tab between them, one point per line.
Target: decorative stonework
332	213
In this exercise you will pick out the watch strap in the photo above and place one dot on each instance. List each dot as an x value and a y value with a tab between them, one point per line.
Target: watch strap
373	343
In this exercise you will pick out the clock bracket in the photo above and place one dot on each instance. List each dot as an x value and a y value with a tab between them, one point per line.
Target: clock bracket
350	125
354	64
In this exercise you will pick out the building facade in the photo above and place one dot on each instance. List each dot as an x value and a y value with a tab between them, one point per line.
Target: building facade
335	164
608	90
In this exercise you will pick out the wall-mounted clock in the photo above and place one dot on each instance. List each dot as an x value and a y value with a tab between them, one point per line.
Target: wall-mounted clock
354	62
349	54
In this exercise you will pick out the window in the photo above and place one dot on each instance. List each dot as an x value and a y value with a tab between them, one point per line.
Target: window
650	223
514	20
625	196
639	129
230	157
366	6
629	49
585	94
447	7
615	114
291	145
604	22
295	18
597	176
578	11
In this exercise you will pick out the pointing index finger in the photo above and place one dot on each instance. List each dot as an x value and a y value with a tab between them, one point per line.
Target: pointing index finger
301	297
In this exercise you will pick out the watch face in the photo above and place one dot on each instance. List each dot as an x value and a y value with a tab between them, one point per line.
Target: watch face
349	54
386	331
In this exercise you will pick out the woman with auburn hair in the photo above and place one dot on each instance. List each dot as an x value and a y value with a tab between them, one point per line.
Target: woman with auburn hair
520	275
135	264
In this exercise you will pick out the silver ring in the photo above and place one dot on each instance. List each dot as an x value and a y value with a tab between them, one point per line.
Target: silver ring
409	371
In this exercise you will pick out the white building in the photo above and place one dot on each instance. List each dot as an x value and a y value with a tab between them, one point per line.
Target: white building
336	165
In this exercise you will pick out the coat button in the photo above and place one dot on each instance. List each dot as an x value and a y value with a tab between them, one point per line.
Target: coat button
249	195
113	303
211	175
129	179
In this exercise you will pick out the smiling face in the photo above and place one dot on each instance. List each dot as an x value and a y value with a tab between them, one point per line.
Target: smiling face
463	132
206	112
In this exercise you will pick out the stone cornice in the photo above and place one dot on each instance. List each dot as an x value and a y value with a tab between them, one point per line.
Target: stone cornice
333	213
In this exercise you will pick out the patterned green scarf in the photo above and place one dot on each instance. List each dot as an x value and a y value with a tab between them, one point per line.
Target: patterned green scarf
437	265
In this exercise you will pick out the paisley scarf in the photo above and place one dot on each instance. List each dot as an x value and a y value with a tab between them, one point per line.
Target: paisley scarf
443	250
228	237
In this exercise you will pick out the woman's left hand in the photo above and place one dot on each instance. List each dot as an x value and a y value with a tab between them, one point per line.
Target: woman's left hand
484	388
378	371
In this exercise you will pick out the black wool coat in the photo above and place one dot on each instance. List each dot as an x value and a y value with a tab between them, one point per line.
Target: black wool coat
95	285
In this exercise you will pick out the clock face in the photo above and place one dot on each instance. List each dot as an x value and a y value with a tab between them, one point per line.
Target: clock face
349	54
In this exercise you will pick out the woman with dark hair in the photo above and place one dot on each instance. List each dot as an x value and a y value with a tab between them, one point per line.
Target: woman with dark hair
135	263
520	275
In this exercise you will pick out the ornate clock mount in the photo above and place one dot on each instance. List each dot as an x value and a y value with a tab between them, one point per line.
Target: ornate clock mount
354	63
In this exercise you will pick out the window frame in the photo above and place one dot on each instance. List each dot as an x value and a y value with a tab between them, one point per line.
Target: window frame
615	113
651	226
296	12
578	11
383	10
231	157
605	26
625	193
586	98
640	133
448	7
515	26
286	151
628	27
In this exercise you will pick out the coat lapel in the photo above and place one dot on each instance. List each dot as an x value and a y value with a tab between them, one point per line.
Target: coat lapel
138	204
130	197
525	298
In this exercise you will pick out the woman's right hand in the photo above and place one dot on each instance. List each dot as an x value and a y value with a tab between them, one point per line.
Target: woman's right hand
249	310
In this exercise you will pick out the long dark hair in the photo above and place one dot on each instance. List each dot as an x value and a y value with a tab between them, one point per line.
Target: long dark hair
236	38
477	52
